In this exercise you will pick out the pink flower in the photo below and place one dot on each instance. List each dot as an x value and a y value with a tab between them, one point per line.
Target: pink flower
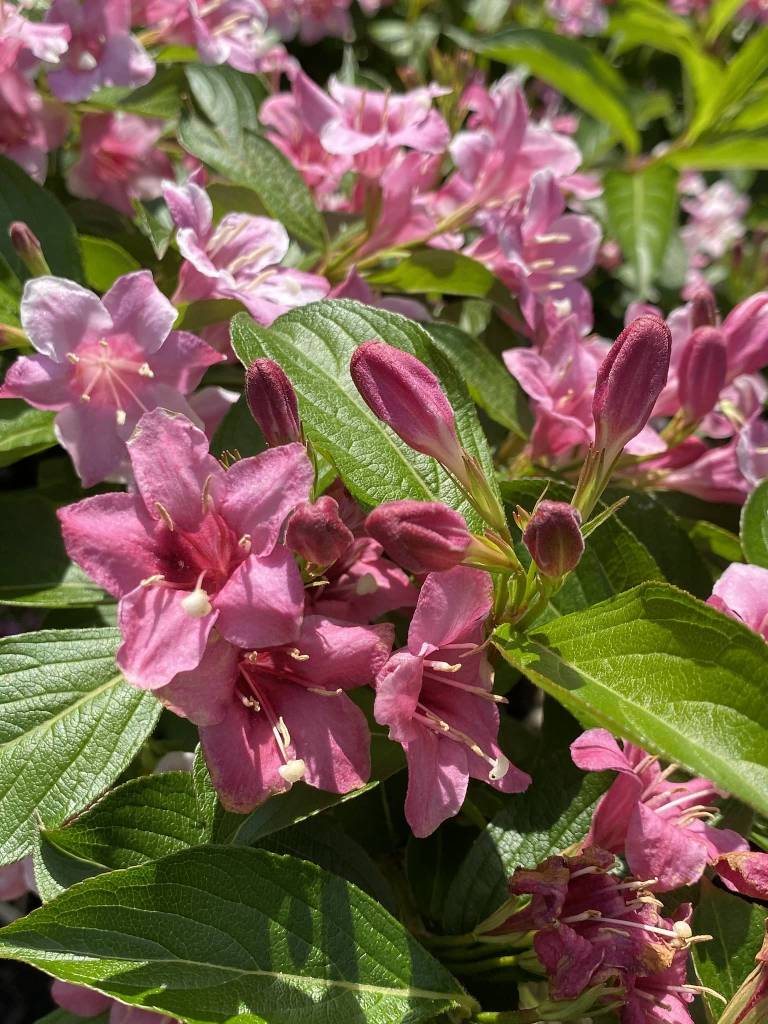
363	585
712	474
29	41
195	547
663	996
553	537
715	219
742	593
87	1002
659	825
752	452
283	713
579	17
119	160
272	402
102	363
238	259
30	126
17	879
435	696
311	20
102	52
745	872
422	536
317	532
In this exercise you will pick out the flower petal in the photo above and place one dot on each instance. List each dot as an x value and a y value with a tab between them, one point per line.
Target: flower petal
204	694
57	315
658	849
140	310
90	435
83	1002
597	751
40	381
262	602
450	605
437	781
341	655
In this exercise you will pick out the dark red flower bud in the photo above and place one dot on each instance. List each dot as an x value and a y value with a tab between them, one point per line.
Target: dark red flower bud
317	533
703	309
28	248
407	396
553	537
701	373
629	380
422	536
272	402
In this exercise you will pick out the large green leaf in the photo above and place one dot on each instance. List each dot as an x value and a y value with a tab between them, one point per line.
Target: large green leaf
229	99
104	261
252	161
23	199
23	430
641	208
665	671
743	70
722	153
314	345
437	270
69	725
489	382
737	928
161	97
221	934
573	67
754	526
552	815
39	575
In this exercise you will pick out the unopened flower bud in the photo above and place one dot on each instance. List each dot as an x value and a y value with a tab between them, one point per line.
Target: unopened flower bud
272	402
407	396
703	309
553	537
28	248
701	373
318	532
629	381
750	1003
422	536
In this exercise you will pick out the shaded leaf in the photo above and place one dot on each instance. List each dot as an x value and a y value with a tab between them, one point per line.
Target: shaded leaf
754	526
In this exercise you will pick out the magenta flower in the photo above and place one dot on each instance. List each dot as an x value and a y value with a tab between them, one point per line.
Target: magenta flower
422	536
102	52
119	160
311	20
86	1003
17	879
363	585
553	537
663	996
742	593
272	402
29	41
436	697
30	126
195	547
237	259
712	474
659	825
317	532
283	715
746	872
701	372
102	363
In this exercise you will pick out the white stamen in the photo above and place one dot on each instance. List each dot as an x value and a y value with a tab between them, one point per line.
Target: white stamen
499	769
542	264
293	771
120	416
296	654
545	239
145	370
86	62
366	585
72	357
562	307
197	605
682	930
321	692
165	515
444	666
149	580
85	397
245	542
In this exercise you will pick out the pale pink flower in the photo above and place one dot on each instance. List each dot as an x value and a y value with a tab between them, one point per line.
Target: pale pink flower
102	363
716	220
752	452
435	696
30	126
579	17
310	20
712	474
239	258
742	593
119	160
28	42
660	826
102	52
87	1002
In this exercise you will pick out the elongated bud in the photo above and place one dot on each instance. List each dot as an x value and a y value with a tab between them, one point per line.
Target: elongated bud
422	536
703	309
629	381
318	533
701	373
553	537
407	396
272	402
28	248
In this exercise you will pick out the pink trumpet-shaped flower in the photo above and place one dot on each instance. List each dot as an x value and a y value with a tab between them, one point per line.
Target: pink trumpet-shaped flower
30	126
364	585
102	363
239	258
435	696
222	31
659	825
742	593
195	547
87	1002
102	52
119	160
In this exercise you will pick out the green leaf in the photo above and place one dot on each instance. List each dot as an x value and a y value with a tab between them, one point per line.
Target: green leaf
23	199
554	813
436	270
742	71
206	312
737	928
23	430
238	432
255	163
666	672
720	13
229	99
754	526
314	344
161	97
64	1017
614	559
236	934
641	208
490	384
722	153
67	710
56	870
573	67
39	574
104	261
